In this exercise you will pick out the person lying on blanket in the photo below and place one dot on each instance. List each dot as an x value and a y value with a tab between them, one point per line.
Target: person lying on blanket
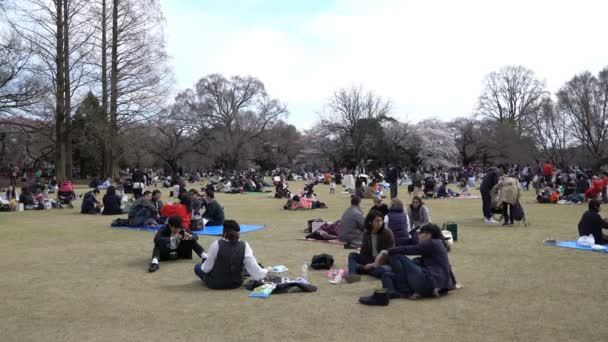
592	223
227	258
173	241
375	239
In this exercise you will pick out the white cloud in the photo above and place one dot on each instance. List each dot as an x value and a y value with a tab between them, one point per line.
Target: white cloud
429	57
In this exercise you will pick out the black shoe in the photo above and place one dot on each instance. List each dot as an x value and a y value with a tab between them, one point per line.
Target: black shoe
153	268
380	297
350	246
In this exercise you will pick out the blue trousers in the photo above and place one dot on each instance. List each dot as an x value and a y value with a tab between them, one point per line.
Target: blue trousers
198	270
406	277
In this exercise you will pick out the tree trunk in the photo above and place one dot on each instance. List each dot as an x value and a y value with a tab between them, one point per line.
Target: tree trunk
60	157
68	93
113	129
106	165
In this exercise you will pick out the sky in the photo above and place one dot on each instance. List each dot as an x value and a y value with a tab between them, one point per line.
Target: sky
429	58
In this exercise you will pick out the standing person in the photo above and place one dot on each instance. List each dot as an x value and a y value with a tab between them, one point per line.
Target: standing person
417	179
392	177
172	242
352	224
508	196
227	259
489	180
332	187
12	174
548	173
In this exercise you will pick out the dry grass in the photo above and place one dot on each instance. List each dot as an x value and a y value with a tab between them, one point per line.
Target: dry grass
68	277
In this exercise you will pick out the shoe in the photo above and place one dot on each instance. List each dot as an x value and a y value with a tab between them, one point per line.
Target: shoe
153	268
490	220
351	246
380	297
352	278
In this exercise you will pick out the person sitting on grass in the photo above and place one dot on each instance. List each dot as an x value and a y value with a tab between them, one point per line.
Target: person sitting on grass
158	205
428	277
112	202
418	213
398	222
90	203
379	206
352	224
172	242
226	260
142	213
592	223
214	213
26	197
375	239
182	209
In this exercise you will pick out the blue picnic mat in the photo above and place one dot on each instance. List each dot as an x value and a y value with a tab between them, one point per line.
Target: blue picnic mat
573	244
211	230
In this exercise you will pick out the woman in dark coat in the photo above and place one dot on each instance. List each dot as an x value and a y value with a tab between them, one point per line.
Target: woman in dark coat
112	202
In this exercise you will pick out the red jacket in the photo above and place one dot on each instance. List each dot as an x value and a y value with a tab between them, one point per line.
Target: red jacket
595	189
180	210
548	169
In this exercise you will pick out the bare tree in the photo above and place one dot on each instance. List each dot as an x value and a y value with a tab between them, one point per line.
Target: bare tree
510	96
550	132
58	35
20	87
584	99
138	67
237	110
469	138
347	113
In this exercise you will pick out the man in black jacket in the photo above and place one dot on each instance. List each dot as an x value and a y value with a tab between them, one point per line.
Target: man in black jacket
490	179
173	242
214	213
392	177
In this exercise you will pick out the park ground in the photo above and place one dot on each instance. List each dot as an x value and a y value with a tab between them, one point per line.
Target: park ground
69	277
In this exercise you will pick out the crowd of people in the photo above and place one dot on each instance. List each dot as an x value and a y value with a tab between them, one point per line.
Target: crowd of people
384	238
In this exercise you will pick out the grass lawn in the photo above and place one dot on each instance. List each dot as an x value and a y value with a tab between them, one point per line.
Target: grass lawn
69	277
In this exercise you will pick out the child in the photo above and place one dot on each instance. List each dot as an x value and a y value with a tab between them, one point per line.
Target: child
173	242
227	258
332	187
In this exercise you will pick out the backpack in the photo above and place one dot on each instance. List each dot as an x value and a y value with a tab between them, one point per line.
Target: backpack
322	262
517	213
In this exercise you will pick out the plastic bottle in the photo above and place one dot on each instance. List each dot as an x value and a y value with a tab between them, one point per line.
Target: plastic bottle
305	271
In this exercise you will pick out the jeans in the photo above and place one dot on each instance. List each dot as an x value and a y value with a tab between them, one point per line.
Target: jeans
394	188
356	259
13	180
406	277
198	270
486	201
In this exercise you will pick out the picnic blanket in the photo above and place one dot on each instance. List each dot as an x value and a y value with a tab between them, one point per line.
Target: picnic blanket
335	242
573	244
211	230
